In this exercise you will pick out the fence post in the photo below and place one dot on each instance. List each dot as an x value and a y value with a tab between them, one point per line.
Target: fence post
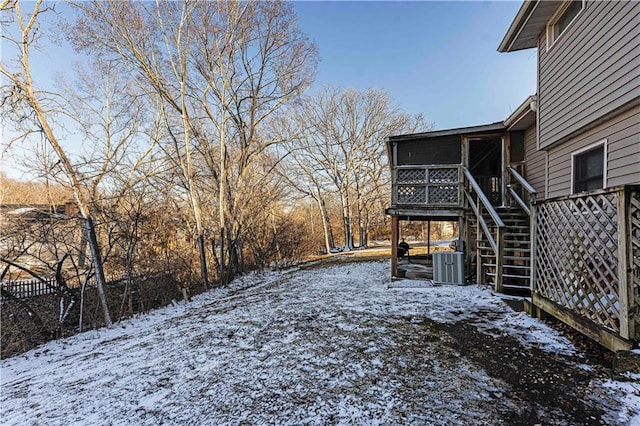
625	281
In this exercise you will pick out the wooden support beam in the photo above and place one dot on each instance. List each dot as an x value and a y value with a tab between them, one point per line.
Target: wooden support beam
625	273
394	245
606	338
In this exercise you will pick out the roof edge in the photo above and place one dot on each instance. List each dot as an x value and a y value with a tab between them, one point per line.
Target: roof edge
497	126
519	22
529	104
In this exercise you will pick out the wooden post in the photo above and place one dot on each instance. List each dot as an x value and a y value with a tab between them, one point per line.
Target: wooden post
506	143
462	236
394	246
428	236
499	260
533	233
479	269
625	279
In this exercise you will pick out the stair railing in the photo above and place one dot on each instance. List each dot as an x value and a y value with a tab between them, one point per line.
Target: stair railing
528	192
480	204
527	203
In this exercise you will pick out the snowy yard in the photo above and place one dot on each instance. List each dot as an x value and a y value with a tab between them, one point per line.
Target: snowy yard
324	344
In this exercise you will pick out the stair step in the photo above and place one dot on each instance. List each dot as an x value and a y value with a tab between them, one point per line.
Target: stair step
508	225
515	287
517	277
517	241
493	265
523	258
506	249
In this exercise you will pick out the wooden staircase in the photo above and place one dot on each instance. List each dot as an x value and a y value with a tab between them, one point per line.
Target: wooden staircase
516	264
500	237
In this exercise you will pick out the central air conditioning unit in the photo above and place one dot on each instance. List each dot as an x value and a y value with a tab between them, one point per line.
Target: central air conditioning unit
448	268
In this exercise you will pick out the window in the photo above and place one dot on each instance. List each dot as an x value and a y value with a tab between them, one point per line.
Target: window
589	168
563	19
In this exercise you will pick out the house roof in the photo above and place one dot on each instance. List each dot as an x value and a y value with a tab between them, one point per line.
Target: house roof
530	21
486	128
524	116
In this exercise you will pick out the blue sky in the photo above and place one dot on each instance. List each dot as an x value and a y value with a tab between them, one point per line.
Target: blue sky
435	58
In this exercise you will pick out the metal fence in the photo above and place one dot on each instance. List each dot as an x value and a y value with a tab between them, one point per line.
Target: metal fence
587	257
25	289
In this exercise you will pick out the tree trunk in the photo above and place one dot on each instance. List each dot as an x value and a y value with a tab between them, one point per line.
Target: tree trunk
346	220
364	230
82	255
97	265
361	238
203	262
348	236
326	225
127	297
221	270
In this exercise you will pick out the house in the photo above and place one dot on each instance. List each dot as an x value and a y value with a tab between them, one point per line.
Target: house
549	199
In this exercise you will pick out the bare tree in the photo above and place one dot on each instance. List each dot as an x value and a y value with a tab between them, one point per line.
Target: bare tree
21	93
153	42
232	66
344	143
254	61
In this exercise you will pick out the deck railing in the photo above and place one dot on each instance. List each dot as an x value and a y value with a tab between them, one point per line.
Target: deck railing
433	185
521	191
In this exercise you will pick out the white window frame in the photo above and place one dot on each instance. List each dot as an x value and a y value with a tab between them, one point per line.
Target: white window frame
603	143
551	39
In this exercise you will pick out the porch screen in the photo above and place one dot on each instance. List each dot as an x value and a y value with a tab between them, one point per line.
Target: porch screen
441	150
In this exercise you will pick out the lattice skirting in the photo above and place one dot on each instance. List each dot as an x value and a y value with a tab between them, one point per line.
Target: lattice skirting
577	256
634	222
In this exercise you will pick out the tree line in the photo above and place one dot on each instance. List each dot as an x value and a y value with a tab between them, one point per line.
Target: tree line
201	146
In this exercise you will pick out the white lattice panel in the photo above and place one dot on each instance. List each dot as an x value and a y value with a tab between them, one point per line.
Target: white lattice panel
412	194
577	256
412	176
634	214
449	175
428	185
443	194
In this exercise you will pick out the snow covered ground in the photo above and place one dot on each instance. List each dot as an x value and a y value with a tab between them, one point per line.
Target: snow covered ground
326	344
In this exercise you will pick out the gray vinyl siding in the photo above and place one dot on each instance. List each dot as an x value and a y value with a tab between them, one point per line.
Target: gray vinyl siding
623	153
592	69
535	161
